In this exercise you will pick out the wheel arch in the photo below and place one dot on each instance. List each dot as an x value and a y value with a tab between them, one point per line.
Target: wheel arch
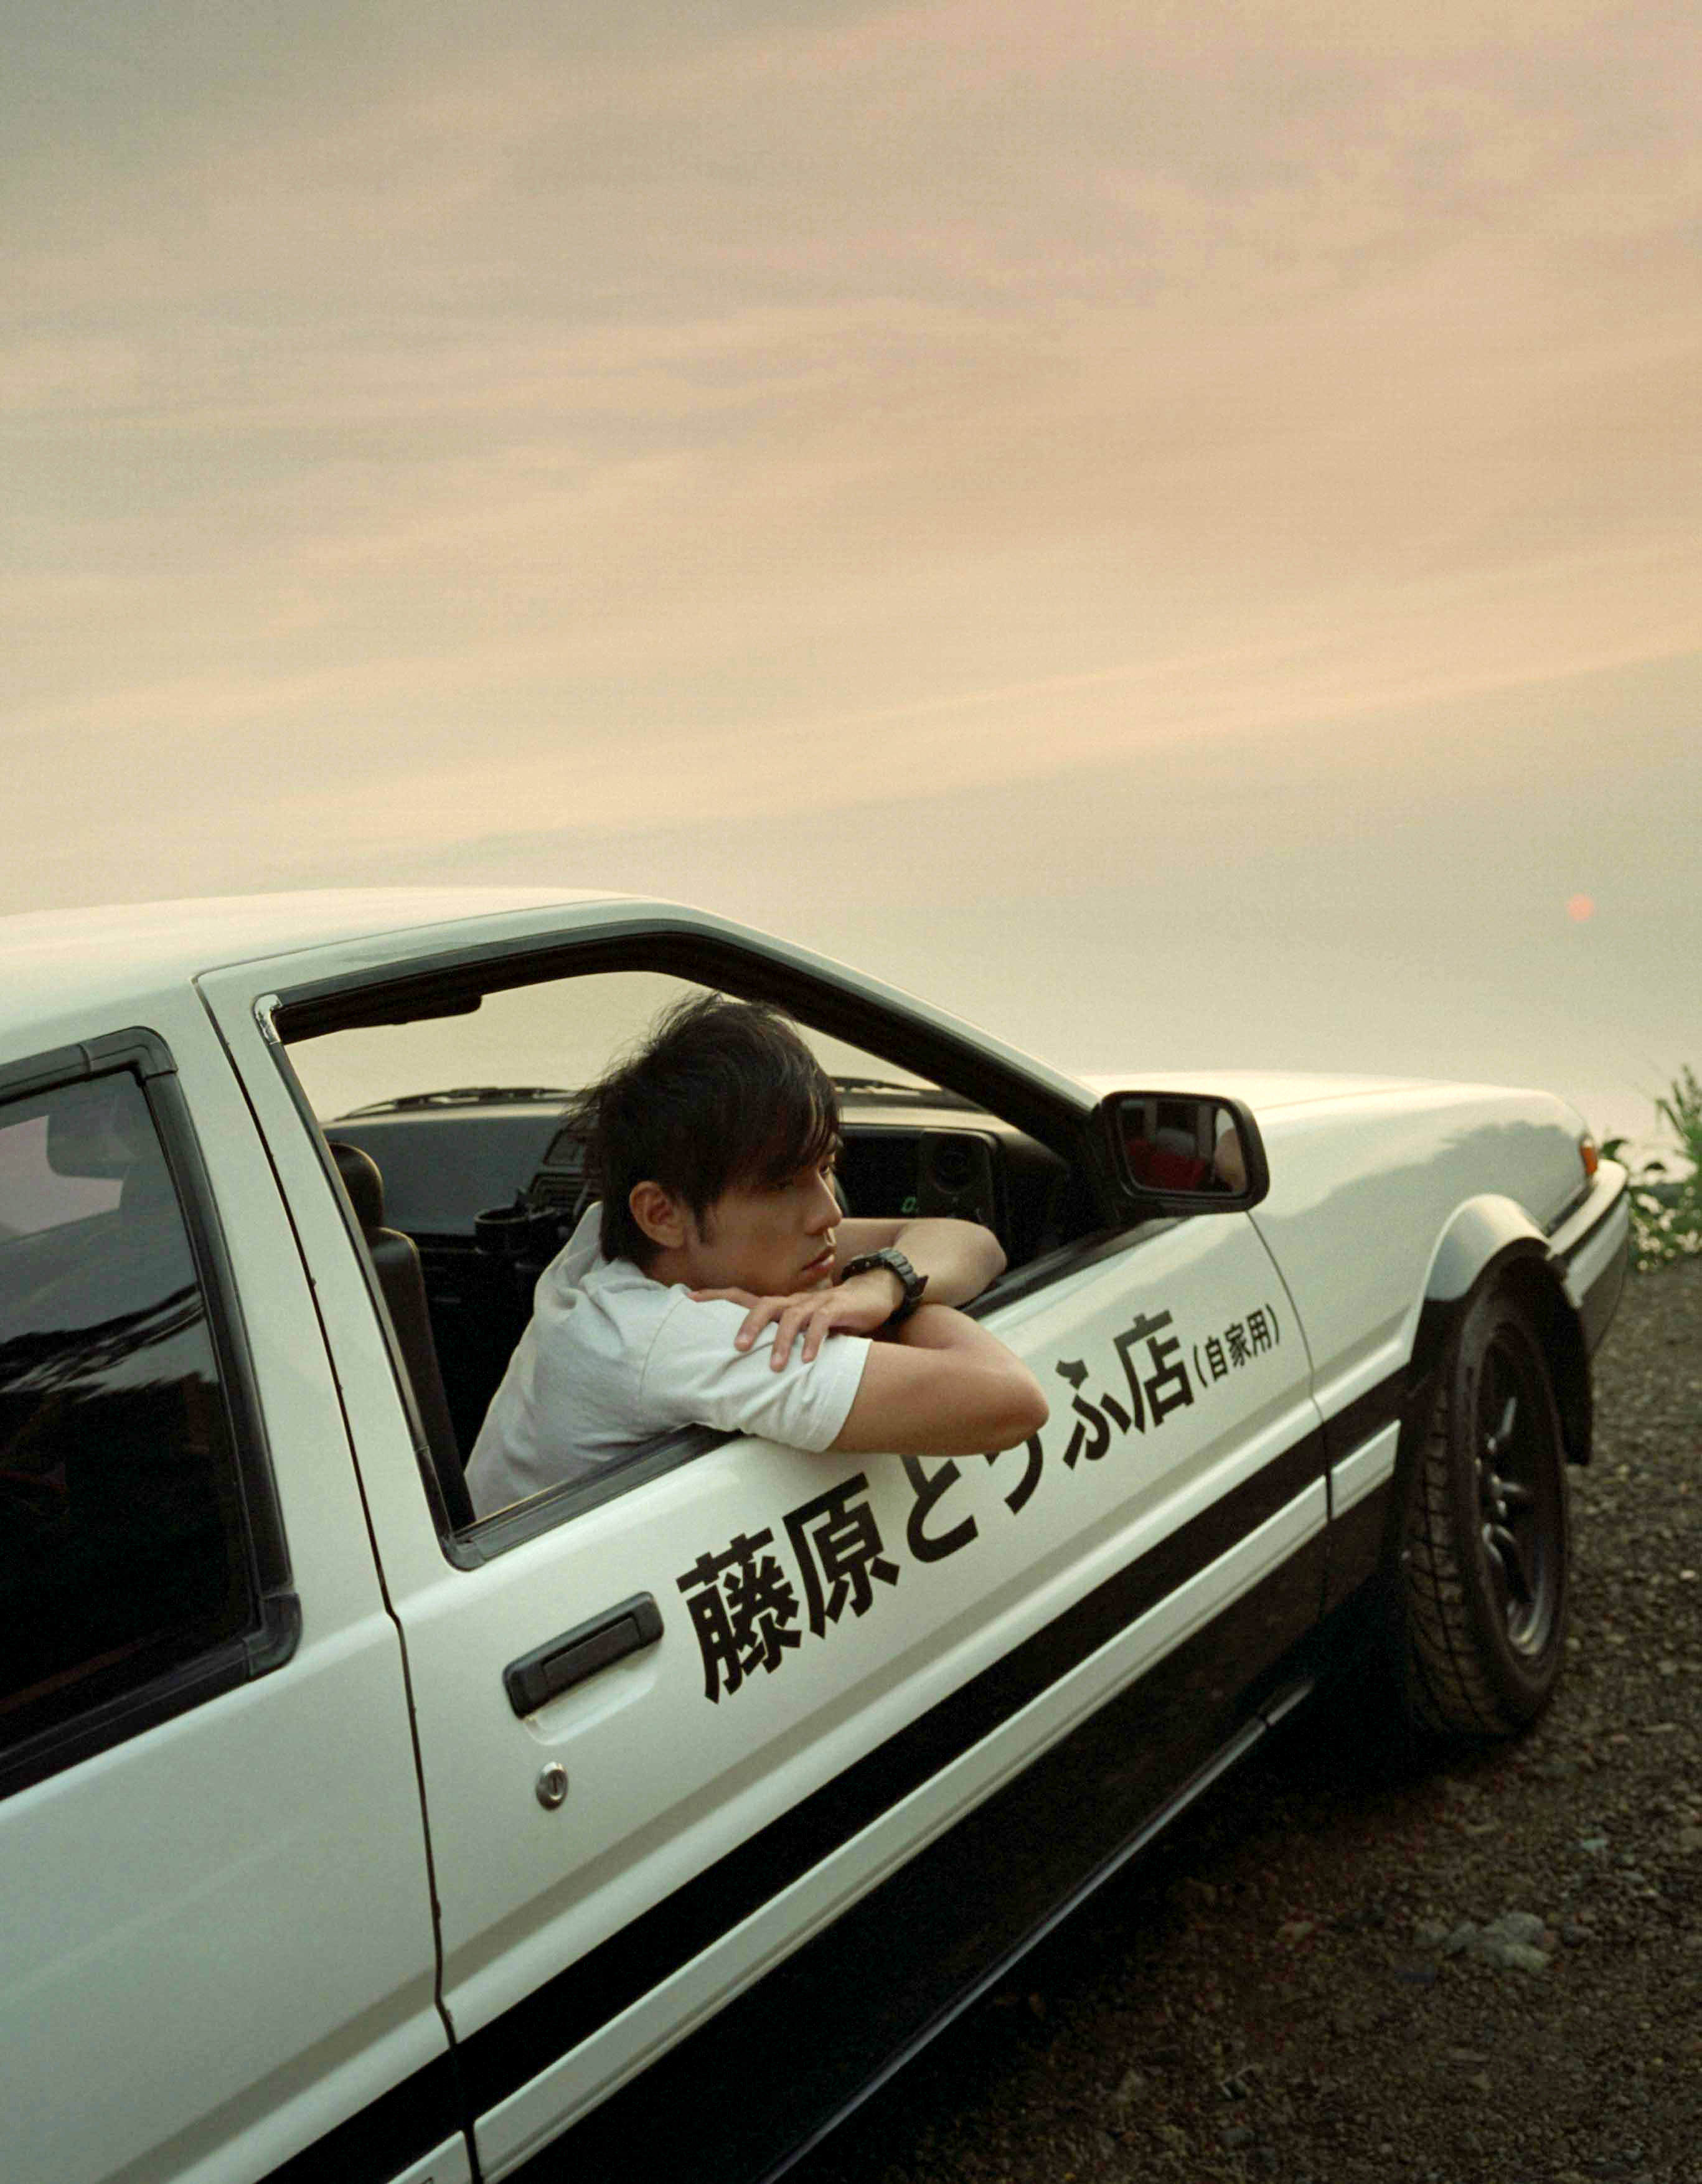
1492	1239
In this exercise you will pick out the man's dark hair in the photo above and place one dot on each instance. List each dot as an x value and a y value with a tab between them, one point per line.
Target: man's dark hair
722	1093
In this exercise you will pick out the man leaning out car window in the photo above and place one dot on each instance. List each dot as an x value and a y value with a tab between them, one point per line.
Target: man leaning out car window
718	1282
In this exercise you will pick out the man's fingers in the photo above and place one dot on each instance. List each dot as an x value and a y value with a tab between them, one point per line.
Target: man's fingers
813	1313
762	1311
785	1335
815	1317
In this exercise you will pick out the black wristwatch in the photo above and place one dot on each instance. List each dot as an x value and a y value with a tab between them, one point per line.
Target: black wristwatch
895	1262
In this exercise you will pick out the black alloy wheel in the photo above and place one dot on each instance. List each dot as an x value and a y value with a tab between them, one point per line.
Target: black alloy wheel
1520	1486
1485	1540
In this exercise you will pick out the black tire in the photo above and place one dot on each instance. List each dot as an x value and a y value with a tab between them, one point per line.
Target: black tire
1485	1540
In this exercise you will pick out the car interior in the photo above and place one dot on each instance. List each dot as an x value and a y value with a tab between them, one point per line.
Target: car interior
465	1177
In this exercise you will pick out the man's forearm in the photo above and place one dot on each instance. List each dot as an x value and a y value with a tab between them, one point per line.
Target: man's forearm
937	1327
941	1386
959	1257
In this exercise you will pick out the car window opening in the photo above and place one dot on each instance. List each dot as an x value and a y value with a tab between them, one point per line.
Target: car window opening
446	1133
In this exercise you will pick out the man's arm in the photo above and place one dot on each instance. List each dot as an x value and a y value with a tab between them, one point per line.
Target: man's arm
943	1385
959	1257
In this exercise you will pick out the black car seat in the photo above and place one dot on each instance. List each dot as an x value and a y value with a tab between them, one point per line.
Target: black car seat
396	1262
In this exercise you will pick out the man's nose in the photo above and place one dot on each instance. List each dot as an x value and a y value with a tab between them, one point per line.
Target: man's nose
825	1214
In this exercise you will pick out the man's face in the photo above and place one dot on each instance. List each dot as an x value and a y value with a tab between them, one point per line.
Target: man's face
771	1241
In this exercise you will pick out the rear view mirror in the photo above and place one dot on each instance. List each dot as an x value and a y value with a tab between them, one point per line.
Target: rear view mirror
1185	1152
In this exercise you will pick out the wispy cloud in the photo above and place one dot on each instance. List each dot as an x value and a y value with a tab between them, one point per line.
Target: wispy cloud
744	417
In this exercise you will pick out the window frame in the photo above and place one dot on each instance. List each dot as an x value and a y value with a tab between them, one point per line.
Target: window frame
822	995
273	1630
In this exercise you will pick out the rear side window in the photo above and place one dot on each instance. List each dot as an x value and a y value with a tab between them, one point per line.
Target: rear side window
123	1548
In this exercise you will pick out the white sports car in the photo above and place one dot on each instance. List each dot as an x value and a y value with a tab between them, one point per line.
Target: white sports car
642	1827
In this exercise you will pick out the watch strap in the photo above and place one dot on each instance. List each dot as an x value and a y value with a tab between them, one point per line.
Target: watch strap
895	1262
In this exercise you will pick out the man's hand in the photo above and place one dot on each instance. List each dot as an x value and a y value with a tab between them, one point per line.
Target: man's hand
862	1306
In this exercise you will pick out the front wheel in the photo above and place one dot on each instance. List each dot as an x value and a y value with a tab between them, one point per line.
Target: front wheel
1485	1536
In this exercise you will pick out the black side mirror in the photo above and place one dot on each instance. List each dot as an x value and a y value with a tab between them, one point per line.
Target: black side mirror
1185	1153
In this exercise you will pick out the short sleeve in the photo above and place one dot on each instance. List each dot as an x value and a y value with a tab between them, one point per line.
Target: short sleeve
694	1376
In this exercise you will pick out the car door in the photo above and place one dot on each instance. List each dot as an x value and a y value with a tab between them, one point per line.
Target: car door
650	1719
800	1724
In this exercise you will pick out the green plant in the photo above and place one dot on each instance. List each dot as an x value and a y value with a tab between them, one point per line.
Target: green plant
1667	1206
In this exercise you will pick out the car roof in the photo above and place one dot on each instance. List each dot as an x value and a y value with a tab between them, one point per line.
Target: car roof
54	957
62	970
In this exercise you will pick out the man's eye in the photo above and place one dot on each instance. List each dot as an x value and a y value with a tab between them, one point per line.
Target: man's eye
807	1178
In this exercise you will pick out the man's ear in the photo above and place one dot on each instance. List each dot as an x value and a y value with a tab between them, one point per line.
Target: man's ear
658	1213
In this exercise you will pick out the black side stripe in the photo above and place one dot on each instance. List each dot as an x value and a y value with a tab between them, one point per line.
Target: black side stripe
763	2079
1355	1535
514	2049
391	2133
1366	1416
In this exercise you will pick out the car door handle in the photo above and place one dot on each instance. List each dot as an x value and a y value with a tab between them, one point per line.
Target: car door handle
581	1651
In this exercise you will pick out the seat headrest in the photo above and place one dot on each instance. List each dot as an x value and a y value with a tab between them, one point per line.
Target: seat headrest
363	1182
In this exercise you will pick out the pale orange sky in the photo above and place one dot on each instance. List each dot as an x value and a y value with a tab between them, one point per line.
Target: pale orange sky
1173	529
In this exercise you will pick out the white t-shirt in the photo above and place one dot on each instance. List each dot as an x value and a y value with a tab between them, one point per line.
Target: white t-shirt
611	1361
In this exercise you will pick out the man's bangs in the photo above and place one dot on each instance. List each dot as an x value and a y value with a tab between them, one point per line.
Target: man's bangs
805	1136
724	1095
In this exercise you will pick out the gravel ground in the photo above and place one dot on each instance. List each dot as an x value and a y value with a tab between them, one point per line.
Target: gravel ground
1359	1960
